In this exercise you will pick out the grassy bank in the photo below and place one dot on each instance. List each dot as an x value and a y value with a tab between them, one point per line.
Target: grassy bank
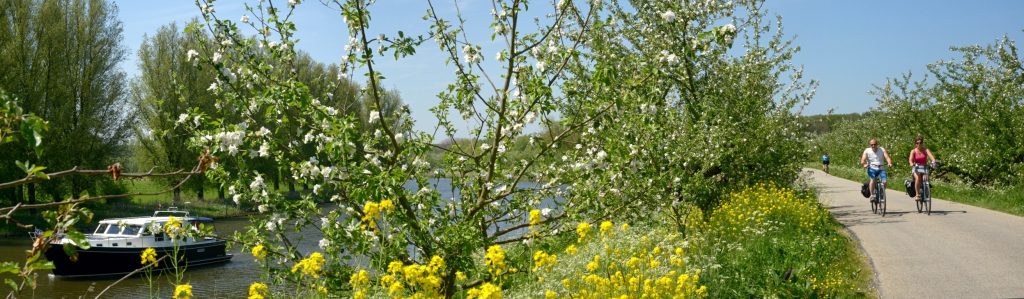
1006	199
763	242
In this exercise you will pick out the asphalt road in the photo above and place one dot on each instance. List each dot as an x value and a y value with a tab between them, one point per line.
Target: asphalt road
958	251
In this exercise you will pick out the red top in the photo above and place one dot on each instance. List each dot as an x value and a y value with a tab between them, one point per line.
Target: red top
920	158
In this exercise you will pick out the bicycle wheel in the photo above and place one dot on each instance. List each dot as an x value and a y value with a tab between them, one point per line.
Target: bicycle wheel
926	197
874	204
921	203
881	199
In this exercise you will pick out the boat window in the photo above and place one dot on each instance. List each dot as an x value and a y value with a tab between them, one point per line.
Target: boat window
113	229
101	228
131	230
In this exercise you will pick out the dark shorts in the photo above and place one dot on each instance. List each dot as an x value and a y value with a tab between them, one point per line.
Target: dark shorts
824	162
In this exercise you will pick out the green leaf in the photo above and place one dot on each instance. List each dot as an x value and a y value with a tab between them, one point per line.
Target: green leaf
10	282
77	238
9	267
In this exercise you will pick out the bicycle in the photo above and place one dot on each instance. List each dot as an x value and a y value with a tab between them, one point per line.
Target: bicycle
925	203
878	199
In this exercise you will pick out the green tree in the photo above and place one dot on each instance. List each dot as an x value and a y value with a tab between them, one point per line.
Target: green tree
60	59
167	87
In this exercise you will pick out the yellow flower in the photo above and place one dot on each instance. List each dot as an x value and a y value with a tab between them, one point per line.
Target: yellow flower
535	217
543	260
183	291
436	264
394	267
606	227
386	205
149	256
259	252
495	260
571	250
460	276
258	290
625	226
172	227
311	265
549	294
485	291
583	229
359	279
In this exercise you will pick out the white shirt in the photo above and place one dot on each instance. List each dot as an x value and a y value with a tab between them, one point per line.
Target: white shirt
874	157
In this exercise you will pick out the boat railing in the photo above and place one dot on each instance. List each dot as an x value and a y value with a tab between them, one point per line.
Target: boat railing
172	211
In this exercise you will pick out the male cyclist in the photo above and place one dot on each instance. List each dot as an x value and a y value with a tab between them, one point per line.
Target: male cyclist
872	160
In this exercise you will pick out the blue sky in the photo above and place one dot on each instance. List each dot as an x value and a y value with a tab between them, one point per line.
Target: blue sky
846	45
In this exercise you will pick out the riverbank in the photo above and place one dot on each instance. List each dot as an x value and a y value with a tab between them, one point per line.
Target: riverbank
1004	199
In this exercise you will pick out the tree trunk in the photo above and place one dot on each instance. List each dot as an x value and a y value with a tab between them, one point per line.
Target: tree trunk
201	193
220	194
177	194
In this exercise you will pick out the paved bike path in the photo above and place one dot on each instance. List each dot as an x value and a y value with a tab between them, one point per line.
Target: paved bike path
958	251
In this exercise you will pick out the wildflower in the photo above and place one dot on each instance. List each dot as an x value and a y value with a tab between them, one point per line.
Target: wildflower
606	228
244	19
543	260
259	252
460	276
495	260
359	279
485	291
183	291
191	54
172	227
149	256
535	217
549	294
311	265
582	230
258	290
292	3
571	250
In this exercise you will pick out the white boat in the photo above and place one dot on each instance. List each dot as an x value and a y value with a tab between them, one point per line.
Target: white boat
116	246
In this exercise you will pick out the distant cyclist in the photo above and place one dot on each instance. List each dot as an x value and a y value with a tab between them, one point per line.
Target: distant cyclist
919	156
872	160
824	162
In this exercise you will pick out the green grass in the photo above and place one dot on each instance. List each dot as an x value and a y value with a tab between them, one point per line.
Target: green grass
142	205
1008	199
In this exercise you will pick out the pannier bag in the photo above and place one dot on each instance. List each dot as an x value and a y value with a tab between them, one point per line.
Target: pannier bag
910	187
865	191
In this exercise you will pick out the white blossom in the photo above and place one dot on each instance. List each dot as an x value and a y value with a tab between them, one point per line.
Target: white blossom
324	243
244	19
292	3
207	8
485	146
264	150
213	87
191	54
374	116
668	16
540	66
182	118
257	183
